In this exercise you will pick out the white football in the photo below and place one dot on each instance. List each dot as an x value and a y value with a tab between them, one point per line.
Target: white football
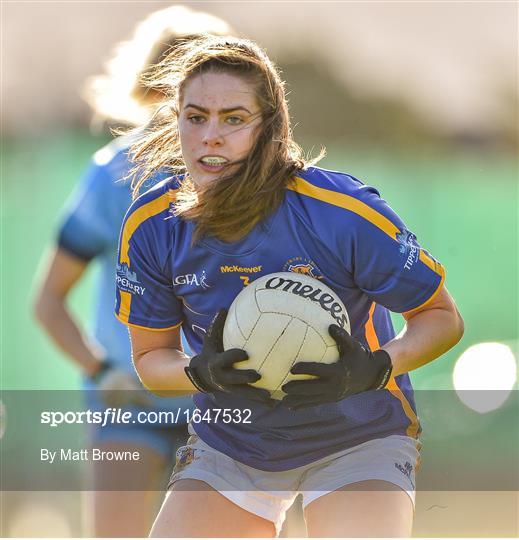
281	319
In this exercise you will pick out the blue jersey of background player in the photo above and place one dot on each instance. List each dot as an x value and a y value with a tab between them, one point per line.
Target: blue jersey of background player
329	225
89	231
122	504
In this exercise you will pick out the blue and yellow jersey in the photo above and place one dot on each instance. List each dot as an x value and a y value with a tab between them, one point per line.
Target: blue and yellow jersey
330	226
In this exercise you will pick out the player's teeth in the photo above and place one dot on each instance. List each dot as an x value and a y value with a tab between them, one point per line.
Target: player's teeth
214	160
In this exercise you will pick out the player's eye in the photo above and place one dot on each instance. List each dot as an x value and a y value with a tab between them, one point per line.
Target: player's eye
234	120
196	118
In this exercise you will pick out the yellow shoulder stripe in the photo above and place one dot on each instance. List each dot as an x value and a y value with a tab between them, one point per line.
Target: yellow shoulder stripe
347	202
431	263
140	215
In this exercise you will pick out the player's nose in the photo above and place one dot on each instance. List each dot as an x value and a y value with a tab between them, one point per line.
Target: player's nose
212	135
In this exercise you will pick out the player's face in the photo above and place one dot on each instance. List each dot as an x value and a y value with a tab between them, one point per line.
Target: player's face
218	116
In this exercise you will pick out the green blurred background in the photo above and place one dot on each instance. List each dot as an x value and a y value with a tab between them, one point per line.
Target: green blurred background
401	98
462	206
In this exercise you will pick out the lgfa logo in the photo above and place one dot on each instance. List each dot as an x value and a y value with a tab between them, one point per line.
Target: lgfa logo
192	279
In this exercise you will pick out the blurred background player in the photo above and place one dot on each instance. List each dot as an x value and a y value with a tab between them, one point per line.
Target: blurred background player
89	232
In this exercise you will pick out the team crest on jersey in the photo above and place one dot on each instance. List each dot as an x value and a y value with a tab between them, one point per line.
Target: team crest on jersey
127	281
302	265
408	248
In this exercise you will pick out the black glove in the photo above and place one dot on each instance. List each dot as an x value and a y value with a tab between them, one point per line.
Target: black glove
357	370
212	370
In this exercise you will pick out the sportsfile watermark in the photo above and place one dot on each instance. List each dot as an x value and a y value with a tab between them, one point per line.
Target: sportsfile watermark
112	415
468	441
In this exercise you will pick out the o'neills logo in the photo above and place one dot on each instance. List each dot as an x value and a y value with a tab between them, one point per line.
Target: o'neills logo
324	299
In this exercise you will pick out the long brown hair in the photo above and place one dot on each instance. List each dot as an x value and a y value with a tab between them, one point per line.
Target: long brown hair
231	206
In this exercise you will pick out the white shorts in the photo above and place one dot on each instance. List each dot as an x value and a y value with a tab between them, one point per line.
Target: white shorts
269	495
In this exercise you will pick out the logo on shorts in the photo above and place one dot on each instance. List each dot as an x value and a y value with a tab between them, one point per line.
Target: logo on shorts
302	265
127	280
406	469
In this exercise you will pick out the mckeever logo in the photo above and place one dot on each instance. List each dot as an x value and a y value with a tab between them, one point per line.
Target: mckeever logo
127	280
240	269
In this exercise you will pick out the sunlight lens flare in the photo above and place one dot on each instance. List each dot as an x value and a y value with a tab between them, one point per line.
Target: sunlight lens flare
484	376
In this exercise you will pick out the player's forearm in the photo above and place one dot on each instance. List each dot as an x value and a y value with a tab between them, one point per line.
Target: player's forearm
54	317
426	336
162	372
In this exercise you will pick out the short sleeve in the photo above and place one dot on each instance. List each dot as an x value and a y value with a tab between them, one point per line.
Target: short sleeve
86	228
144	285
388	263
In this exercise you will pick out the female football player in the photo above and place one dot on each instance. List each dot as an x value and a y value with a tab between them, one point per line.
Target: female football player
88	233
242	195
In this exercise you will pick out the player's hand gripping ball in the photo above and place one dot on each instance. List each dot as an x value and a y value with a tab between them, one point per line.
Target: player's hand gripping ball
281	319
356	371
215	369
